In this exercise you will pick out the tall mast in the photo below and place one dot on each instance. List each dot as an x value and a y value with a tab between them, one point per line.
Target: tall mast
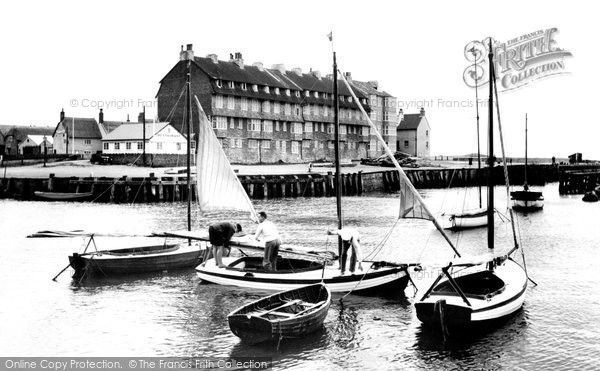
478	148
144	136
336	120
189	124
490	181
525	148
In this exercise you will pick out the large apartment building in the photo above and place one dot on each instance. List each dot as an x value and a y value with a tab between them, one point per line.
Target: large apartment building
263	115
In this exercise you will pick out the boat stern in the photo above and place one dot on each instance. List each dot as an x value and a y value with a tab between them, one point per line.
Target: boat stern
440	313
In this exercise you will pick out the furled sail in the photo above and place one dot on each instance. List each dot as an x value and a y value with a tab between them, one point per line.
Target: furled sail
218	186
411	203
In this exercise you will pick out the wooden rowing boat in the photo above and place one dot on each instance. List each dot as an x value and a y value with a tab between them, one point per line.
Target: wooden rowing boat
292	313
63	196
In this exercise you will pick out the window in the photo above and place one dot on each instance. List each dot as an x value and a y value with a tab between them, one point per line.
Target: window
288	109
117	145
193	144
128	145
276	108
238	143
231	85
252	143
276	125
283	146
371	145
255	88
306	144
325	96
284	126
343	129
254	126
426	133
255	106
297	107
179	146
308	127
105	145
365	130
219	122
287	92
277	91
330	129
244	86
88	141
268	126
219	83
266	106
331	145
241	124
386	130
159	145
297	94
325	111
306	94
277	144
140	145
244	104
219	101
386	115
230	102
266	89
373	101
231	122
316	94
350	99
265	144
295	147
297	128
406	143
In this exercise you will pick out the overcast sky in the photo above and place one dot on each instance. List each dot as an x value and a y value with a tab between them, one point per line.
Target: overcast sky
71	53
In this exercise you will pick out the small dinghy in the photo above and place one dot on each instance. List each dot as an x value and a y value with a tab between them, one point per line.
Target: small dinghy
290	314
63	196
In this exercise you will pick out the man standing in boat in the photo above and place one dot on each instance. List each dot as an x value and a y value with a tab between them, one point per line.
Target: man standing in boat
270	235
219	235
350	237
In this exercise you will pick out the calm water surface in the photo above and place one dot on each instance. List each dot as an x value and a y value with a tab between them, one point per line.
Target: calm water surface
172	314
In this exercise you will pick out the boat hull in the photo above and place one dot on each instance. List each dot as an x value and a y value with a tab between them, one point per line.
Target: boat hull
483	309
527	200
377	280
467	220
252	328
58	196
136	260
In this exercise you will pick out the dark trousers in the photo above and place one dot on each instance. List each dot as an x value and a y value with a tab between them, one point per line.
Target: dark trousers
270	258
343	253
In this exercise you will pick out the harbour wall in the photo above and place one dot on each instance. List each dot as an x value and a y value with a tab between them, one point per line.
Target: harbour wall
174	189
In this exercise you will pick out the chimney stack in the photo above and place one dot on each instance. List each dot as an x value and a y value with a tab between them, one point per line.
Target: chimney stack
188	54
316	74
62	114
422	112
101	117
127	117
400	115
141	117
259	65
279	67
213	57
238	60
348	76
374	84
297	71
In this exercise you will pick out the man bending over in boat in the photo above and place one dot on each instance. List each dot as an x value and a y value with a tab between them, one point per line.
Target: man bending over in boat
219	235
350	237
270	235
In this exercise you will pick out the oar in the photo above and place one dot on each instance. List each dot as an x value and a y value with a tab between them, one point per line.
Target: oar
61	272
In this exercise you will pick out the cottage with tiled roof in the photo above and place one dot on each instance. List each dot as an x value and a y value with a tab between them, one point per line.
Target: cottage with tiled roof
265	114
16	135
414	134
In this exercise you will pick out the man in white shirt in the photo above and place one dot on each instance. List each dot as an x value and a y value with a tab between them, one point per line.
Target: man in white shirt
270	235
350	237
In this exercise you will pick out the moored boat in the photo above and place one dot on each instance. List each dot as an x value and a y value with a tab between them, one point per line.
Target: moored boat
63	196
288	314
466	220
526	200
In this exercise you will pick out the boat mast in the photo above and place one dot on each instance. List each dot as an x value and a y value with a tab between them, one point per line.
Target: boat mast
490	181
188	110
525	148
477	111
336	120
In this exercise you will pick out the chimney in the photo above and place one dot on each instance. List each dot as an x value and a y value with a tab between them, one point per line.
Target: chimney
258	65
316	74
188	54
127	117
62	114
141	117
422	112
374	84
297	71
213	57
279	67
101	117
238	60
348	76
400	115
329	76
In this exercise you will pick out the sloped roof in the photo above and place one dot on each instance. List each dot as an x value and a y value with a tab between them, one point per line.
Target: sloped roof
84	127
367	88
411	121
112	125
39	139
21	132
135	131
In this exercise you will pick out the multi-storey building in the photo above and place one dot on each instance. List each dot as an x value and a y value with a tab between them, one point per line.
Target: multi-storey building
266	115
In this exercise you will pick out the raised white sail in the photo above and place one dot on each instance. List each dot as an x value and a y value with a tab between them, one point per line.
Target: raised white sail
218	186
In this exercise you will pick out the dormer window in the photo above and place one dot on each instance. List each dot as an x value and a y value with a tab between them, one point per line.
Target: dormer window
277	91
244	86
231	84
219	83
307	93
316	94
324	95
297	94
267	89
287	92
350	99
255	88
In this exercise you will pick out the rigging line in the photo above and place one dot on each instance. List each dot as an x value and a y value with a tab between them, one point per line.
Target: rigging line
169	116
138	191
103	192
446	193
381	244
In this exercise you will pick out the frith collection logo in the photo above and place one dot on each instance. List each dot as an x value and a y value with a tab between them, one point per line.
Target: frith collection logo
518	62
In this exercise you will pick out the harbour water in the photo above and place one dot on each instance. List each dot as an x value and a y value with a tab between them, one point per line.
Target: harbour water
173	314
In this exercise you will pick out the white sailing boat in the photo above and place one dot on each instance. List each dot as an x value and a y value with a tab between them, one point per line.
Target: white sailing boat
527	200
489	287
291	273
472	218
